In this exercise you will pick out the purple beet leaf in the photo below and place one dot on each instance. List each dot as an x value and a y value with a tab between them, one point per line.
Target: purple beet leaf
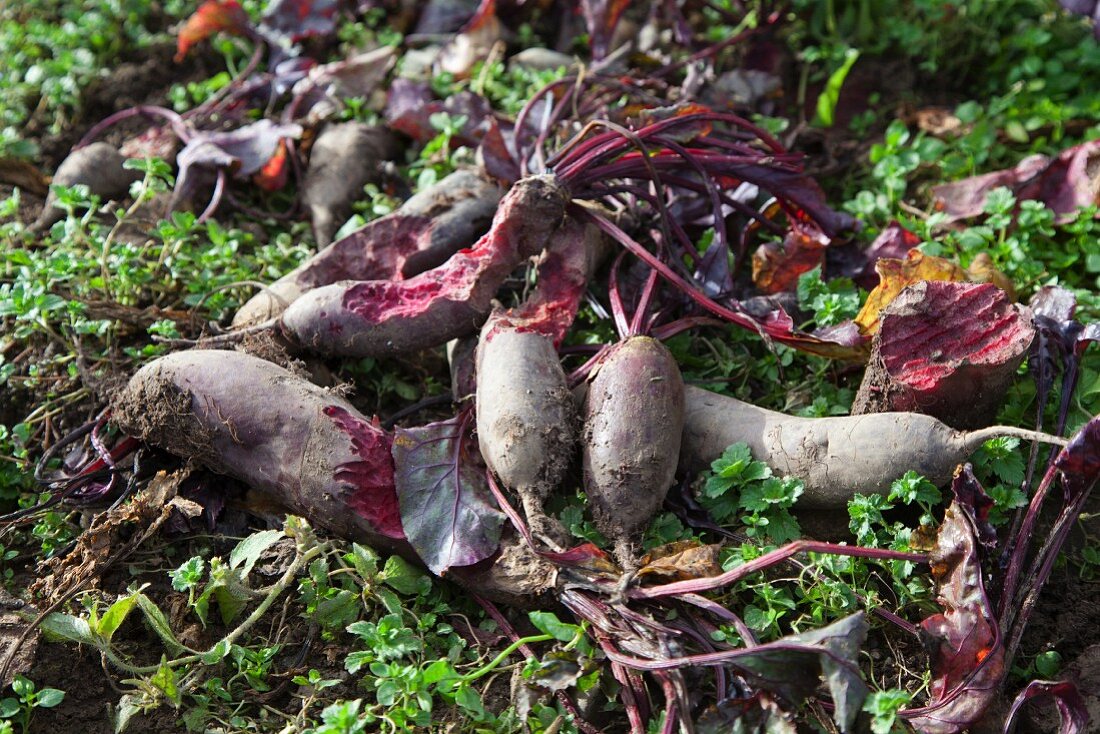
446	509
602	17
324	88
1072	712
1062	183
1061	342
792	667
968	655
242	152
300	19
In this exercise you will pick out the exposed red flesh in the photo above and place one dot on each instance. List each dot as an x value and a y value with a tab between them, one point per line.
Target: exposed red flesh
378	318
563	274
946	349
373	494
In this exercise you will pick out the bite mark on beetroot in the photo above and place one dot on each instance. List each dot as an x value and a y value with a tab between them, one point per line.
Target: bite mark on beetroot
371	480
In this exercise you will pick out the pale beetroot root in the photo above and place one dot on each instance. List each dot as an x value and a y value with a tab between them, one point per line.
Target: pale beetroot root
526	422
633	423
421	234
97	166
526	417
345	157
835	457
244	417
950	350
384	318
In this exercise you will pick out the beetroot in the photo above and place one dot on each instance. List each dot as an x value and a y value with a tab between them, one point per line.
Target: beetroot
97	166
382	317
241	416
633	418
345	158
422	234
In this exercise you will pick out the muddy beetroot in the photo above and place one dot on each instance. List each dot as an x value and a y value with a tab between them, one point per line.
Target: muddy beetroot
422	234
310	450
633	416
345	157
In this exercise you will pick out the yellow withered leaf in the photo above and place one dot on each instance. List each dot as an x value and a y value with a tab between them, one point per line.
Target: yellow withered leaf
895	275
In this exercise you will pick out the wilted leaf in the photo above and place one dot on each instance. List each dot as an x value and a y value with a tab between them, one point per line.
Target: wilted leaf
968	656
1078	462
1072	711
410	107
1059	345
776	266
496	155
446	509
584	557
444	16
243	151
681	561
299	19
473	43
896	275
212	17
272	175
1064	183
557	671
757	714
249	550
602	17
791	667
324	88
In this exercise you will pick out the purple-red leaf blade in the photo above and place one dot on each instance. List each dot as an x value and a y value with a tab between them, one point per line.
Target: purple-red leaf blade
446	510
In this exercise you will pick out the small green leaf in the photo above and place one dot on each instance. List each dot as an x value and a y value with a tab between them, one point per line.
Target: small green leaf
249	550
216	653
830	95
156	619
115	615
68	627
165	680
548	623
9	707
404	577
438	671
364	560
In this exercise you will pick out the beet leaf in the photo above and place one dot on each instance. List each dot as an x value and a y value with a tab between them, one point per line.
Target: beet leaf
446	509
968	655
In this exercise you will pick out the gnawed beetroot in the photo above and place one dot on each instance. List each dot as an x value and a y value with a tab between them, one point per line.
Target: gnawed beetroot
946	349
381	318
423	233
241	416
574	254
344	158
